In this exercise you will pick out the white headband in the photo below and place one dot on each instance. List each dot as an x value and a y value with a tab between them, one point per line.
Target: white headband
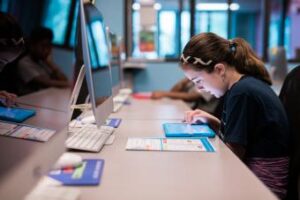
197	60
13	41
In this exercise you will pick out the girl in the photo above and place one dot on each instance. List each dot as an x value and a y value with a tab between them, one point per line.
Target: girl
253	123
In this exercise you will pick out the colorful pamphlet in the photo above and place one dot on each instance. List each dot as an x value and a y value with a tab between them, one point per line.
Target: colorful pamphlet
26	132
170	144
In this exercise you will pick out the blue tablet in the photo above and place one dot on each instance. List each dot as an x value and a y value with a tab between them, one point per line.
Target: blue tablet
15	114
187	130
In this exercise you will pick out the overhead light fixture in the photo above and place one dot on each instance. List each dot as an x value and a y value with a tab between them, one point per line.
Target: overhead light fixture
136	6
216	6
234	6
157	6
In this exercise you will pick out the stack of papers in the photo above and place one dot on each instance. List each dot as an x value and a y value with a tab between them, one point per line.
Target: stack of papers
170	144
25	132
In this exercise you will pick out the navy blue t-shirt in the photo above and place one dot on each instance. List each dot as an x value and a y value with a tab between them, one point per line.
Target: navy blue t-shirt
254	117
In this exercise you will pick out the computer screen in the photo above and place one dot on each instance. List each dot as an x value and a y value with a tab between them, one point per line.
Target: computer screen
115	61
96	59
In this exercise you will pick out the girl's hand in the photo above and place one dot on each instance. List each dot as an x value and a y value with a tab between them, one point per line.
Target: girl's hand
197	116
157	94
8	99
200	116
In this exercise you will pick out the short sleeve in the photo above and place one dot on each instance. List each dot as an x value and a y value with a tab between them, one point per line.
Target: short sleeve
240	115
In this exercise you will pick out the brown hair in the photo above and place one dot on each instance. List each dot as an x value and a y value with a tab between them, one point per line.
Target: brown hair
212	49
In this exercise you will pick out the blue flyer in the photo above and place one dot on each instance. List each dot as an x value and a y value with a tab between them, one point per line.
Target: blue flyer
114	122
89	173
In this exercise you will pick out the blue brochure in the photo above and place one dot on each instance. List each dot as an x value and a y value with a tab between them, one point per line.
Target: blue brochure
89	173
15	114
188	130
114	122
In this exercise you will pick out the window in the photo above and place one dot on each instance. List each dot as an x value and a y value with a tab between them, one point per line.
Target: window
212	17
247	23
292	31
263	24
185	28
155	29
275	23
167	34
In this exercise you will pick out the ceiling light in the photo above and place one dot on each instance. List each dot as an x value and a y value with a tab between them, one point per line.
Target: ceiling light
136	6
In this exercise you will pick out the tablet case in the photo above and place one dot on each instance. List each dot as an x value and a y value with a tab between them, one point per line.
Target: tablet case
188	130
15	114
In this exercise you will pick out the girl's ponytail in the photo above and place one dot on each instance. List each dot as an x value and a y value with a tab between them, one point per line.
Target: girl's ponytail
246	62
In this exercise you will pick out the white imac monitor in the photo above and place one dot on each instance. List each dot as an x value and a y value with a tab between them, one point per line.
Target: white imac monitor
75	92
115	62
96	58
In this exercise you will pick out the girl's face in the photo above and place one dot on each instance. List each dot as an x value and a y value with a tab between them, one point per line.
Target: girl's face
210	82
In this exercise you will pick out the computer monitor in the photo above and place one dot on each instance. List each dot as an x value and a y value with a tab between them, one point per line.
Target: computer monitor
96	59
122	60
115	62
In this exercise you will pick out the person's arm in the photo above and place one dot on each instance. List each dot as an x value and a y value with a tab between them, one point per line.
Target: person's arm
202	116
48	82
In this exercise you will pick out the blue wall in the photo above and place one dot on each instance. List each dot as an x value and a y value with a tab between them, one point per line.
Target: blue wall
65	59
113	13
156	76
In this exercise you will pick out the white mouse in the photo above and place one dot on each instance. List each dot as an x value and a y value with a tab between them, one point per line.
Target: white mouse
68	160
88	120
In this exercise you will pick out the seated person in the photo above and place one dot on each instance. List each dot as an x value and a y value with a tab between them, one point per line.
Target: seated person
11	48
36	69
185	90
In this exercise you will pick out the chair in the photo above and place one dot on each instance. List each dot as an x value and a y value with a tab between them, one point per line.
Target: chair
290	97
278	63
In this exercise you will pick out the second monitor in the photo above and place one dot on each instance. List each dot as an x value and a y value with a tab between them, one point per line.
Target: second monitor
96	60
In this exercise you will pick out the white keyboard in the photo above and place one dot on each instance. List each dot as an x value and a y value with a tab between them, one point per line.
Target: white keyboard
120	98
89	138
126	91
117	106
